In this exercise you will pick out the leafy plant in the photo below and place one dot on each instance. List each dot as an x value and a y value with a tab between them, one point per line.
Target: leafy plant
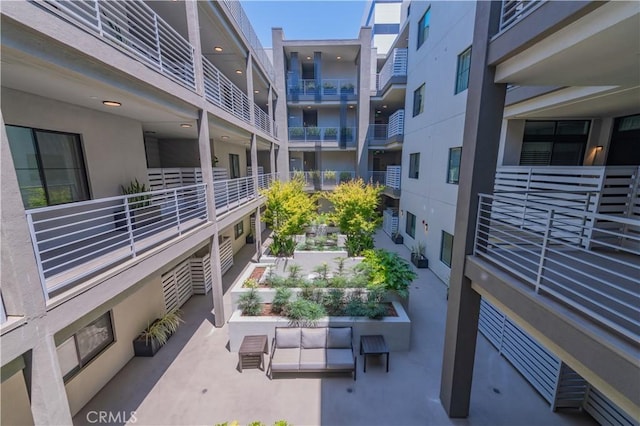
304	313
161	329
281	299
250	283
330	133
250	303
418	249
313	132
322	271
355	305
345	177
136	187
329	174
333	301
296	132
340	268
294	271
389	271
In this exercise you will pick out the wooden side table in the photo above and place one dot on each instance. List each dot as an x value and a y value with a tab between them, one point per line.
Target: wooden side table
251	350
373	345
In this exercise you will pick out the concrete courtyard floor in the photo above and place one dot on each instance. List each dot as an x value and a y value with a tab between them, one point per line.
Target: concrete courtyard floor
194	379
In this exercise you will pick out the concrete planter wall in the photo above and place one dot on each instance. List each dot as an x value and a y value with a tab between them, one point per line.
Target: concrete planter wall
308	257
396	330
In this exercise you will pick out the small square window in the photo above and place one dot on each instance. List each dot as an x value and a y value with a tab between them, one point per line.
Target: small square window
446	248
462	74
414	165
410	226
418	100
238	229
423	27
453	171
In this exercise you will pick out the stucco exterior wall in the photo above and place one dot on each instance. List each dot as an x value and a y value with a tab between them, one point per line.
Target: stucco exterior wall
15	408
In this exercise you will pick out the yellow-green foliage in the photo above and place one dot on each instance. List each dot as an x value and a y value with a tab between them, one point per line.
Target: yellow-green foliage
355	213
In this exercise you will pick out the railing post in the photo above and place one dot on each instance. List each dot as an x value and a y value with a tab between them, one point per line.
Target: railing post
99	17
175	200
157	34
543	250
127	214
475	245
36	251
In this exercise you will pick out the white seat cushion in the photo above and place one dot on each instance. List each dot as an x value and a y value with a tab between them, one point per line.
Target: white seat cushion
313	359
339	359
339	337
314	338
287	338
286	359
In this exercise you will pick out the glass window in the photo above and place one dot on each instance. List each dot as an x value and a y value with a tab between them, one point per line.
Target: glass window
234	165
446	248
239	229
423	27
85	345
462	75
49	166
410	226
453	175
555	143
418	100
414	165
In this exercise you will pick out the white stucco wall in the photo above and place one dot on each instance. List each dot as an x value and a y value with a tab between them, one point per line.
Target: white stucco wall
222	151
15	408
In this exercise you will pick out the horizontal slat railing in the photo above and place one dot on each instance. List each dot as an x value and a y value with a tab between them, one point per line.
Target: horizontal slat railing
136	28
390	222
396	124
514	10
232	193
393	175
328	179
75	240
557	251
262	119
395	66
220	91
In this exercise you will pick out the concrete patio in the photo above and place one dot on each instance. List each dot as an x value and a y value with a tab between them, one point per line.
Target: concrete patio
194	378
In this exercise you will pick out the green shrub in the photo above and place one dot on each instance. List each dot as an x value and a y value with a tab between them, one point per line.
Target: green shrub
322	271
304	313
250	303
280	300
389	271
333	301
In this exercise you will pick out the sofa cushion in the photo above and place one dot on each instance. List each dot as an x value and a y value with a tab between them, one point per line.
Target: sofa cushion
287	338
314	338
286	359
339	338
313	359
340	359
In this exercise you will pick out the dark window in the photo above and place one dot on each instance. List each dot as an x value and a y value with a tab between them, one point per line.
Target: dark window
555	143
414	165
418	100
625	142
386	28
234	164
453	174
49	166
239	229
423	27
462	74
410	226
85	345
446	248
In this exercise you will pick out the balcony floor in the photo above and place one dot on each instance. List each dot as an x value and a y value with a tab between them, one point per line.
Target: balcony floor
194	378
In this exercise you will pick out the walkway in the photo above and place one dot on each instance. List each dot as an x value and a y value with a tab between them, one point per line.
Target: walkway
194	380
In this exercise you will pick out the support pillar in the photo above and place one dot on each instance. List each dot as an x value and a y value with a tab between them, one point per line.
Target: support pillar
254	172
270	110
217	291
272	159
485	106
250	94
193	31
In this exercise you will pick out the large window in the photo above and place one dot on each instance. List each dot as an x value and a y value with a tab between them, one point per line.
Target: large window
555	143
423	27
85	345
410	226
234	166
418	100
238	229
453	171
462	73
414	165
446	248
49	166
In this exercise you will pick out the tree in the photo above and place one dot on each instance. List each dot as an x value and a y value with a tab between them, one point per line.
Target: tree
355	204
288	210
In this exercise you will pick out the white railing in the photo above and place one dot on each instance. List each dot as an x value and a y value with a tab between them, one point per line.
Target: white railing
135	28
266	180
377	177
220	91
395	66
560	254
393	175
514	10
263	121
323	134
396	124
390	222
377	134
169	178
239	15
327	87
323	179
75	240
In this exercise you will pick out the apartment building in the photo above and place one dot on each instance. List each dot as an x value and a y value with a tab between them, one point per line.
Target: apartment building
101	98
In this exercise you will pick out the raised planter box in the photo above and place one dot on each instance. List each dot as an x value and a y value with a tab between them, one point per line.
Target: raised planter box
396	330
420	262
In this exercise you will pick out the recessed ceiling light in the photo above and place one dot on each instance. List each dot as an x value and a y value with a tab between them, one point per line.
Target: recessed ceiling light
238	71
384	106
308	107
217	48
256	91
338	57
308	58
351	106
112	103
378	111
185	125
225	137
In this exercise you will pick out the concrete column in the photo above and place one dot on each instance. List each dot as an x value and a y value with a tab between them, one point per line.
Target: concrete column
363	84
317	73
279	65
485	106
193	30
250	94
270	110
272	158
216	292
49	404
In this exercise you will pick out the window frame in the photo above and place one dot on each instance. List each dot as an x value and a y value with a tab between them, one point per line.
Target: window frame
234	166
410	220
463	72
418	94
423	30
238	229
442	245
449	165
414	166
555	141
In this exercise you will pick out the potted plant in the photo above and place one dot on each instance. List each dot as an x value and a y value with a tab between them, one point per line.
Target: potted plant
141	211
329	88
346	134
296	133
156	334
345	176
397	238
331	134
249	238
315	177
417	256
347	88
313	133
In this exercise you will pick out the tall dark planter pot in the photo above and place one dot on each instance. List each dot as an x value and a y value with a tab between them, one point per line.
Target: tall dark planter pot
420	261
397	239
143	348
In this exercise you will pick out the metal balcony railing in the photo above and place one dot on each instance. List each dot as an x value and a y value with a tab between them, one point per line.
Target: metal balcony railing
263	122
230	194
266	180
323	179
392	177
239	15
322	134
395	66
396	124
564	254
514	10
390	222
327	87
220	91
136	29
76	240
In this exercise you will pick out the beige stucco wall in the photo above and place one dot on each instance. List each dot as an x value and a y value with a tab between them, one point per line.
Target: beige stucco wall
222	151
237	244
130	317
15	408
105	137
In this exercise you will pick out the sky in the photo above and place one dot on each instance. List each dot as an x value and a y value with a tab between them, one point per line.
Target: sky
305	20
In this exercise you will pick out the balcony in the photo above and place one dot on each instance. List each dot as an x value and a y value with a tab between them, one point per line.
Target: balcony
390	179
301	137
136	29
77	240
394	70
390	222
323	181
387	135
514	10
327	89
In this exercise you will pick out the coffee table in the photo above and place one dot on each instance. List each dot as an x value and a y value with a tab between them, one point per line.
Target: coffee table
373	344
